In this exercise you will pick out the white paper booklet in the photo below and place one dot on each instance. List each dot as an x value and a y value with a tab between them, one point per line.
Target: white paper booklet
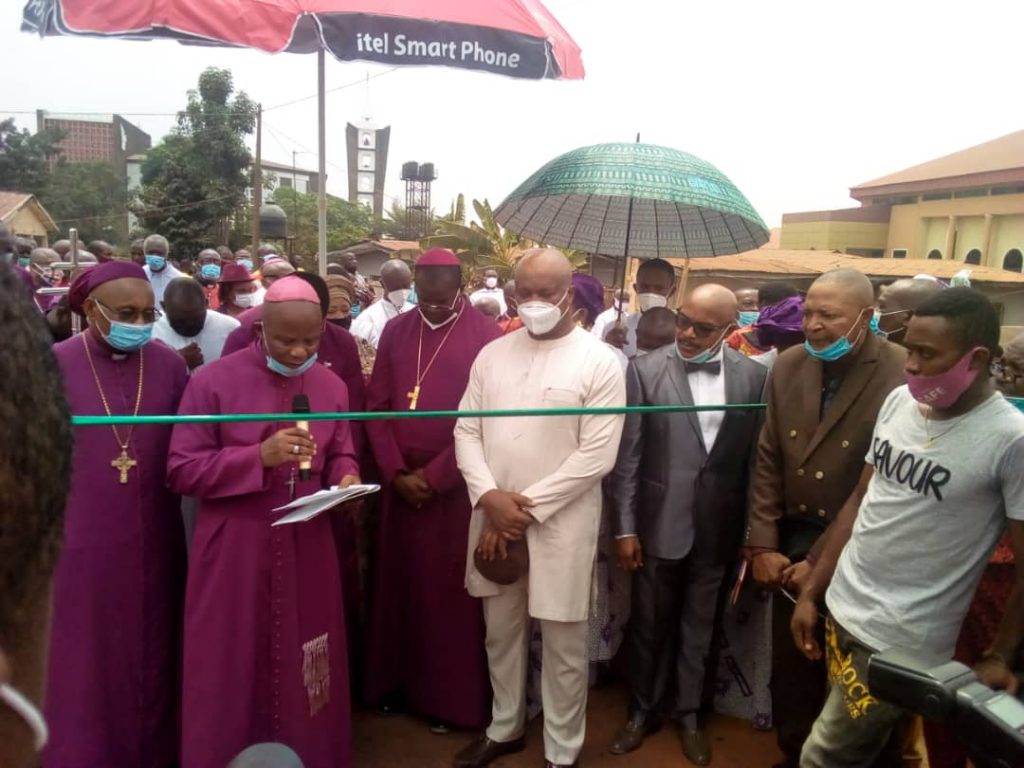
308	507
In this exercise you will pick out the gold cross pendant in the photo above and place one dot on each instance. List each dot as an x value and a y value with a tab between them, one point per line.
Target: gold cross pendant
122	464
413	397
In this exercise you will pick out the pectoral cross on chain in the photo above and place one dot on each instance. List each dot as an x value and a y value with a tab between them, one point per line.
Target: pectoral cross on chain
414	396
122	464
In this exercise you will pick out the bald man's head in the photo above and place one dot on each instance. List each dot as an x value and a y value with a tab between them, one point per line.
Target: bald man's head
266	756
706	317
851	283
544	277
395	275
898	301
838	304
548	261
655	329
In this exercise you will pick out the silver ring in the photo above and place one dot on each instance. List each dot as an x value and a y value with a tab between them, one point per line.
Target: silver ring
295	450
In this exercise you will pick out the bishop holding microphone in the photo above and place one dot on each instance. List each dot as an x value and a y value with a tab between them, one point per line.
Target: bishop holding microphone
265	653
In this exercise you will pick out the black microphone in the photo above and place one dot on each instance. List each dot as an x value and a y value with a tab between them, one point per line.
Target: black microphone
300	405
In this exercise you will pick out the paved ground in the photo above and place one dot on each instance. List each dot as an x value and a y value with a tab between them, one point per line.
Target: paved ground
403	742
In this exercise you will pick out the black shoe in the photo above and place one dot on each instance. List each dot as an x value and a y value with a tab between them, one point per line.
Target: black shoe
630	736
483	751
696	745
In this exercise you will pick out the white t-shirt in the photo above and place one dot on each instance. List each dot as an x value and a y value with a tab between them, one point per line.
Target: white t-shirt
606	321
210	340
159	280
369	324
934	510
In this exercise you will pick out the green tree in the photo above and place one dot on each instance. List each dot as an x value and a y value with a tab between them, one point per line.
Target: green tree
346	222
24	157
194	181
480	246
88	196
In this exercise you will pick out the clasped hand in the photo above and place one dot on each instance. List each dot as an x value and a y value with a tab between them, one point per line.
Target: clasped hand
413	487
507	513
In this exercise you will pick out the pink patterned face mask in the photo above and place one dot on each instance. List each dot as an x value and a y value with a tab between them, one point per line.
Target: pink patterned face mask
943	389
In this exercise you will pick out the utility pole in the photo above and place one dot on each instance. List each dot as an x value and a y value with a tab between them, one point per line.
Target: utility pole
257	182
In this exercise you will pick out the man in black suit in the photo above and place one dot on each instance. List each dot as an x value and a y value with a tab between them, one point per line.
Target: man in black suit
679	492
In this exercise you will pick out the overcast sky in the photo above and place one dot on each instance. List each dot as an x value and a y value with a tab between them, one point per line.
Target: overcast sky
795	101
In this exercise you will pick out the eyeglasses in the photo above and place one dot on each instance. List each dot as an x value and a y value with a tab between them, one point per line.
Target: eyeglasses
1001	370
130	315
700	330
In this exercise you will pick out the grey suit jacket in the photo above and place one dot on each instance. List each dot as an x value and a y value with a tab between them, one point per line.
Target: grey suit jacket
666	488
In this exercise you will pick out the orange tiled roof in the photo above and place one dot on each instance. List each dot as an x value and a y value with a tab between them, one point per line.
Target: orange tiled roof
773	263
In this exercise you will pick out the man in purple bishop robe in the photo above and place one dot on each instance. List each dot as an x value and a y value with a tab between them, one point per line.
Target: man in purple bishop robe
112	682
265	648
338	352
427	634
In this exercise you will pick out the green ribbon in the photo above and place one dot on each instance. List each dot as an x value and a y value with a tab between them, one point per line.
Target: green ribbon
95	421
99	421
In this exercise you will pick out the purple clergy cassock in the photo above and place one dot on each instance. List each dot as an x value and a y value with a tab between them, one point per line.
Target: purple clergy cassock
265	649
426	632
112	680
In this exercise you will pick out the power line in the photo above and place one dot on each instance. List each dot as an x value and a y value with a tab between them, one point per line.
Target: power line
147	211
62	114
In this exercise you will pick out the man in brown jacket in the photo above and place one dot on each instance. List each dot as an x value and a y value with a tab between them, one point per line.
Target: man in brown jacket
823	399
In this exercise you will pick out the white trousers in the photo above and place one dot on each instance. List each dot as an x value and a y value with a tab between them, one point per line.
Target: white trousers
564	674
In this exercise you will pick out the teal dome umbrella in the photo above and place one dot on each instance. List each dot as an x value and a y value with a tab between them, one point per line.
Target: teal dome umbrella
633	200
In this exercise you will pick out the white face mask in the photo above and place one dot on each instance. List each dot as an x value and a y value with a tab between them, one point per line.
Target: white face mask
491	282
442	324
398	297
539	317
651	300
28	712
246	300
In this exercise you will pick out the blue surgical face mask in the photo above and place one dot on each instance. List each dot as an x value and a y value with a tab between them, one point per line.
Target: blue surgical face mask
841	347
286	370
708	354
126	337
155	262
210	271
24	262
247	263
873	325
748	317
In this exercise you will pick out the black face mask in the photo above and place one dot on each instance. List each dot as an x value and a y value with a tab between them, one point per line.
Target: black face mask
189	329
344	322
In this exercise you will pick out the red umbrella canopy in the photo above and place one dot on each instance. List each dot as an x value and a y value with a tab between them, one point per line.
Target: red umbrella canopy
518	38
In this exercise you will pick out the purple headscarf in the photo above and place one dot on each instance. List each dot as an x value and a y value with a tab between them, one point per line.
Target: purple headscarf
781	324
589	296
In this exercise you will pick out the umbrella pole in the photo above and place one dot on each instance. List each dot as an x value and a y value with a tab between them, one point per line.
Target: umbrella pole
625	259
322	168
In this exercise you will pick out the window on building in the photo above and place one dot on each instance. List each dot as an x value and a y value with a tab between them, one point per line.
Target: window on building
973	256
899	253
936	196
934	253
1013	260
285	181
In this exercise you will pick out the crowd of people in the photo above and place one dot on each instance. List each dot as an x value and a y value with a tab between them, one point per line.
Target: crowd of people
860	490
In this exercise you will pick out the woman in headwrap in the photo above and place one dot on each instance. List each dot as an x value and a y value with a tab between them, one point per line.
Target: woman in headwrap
342	293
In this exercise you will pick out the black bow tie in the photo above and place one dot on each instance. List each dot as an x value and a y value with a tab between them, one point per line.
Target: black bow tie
714	367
